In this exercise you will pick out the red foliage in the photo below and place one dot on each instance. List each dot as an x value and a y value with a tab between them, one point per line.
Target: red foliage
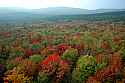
16	43
117	39
6	34
115	66
50	48
28	52
116	62
34	41
52	58
18	59
92	80
62	63
79	46
62	47
62	69
105	45
101	57
47	65
98	58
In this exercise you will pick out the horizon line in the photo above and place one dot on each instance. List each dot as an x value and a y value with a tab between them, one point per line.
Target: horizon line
56	7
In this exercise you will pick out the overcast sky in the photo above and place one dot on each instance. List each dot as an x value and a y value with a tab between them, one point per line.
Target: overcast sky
85	4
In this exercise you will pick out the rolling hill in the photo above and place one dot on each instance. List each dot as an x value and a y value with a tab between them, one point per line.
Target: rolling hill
21	15
55	11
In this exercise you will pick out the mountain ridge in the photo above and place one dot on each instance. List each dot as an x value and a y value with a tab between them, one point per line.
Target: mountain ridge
55	10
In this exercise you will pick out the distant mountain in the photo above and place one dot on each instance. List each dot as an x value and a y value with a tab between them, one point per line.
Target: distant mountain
107	10
13	9
61	11
57	14
71	11
55	11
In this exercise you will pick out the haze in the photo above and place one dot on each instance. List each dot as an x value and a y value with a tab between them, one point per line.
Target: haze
85	4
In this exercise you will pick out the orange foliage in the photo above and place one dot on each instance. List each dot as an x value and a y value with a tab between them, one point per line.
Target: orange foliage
115	65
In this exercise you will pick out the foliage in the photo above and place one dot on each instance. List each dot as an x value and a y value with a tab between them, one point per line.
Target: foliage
36	58
18	78
2	70
58	41
44	43
61	48
86	66
28	52
49	65
102	61
112	69
42	78
70	55
48	52
62	70
54	58
27	67
123	55
13	63
10	66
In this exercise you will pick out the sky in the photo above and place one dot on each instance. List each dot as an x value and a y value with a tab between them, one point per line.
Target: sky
84	4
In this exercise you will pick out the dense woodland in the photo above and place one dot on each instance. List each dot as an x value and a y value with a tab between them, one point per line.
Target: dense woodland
67	52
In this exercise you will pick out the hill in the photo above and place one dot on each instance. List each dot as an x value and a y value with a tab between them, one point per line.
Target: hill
20	15
55	11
